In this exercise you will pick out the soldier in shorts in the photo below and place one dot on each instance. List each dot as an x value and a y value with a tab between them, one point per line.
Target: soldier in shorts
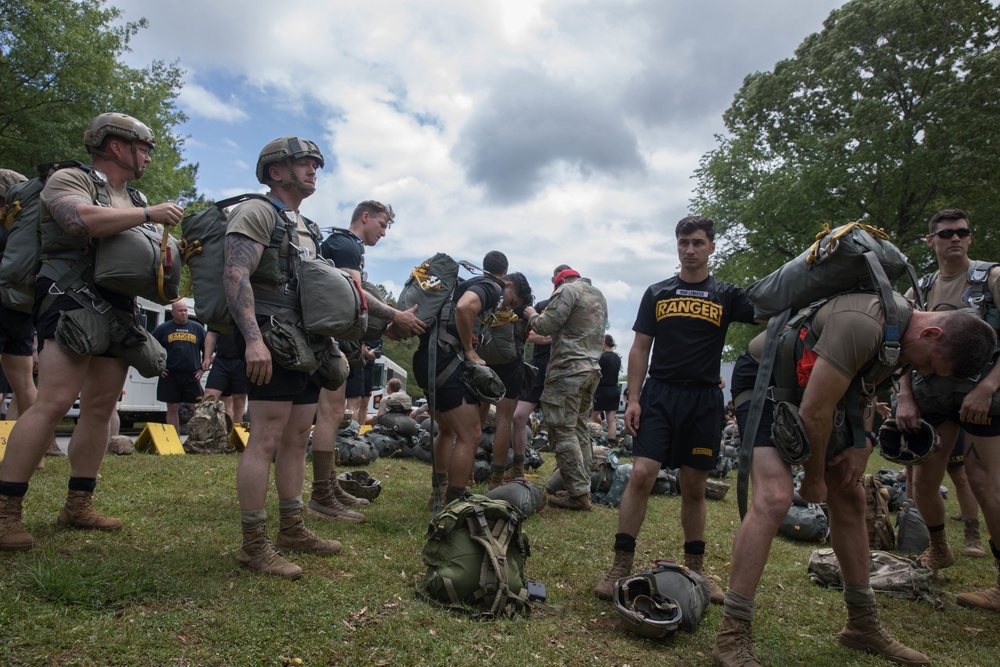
283	400
683	320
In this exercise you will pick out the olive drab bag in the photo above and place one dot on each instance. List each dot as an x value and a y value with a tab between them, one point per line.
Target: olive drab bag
912	536
134	262
475	555
333	303
498	341
22	256
203	245
806	523
430	287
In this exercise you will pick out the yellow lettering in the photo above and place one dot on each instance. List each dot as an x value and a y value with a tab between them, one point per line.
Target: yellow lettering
701	451
700	309
182	336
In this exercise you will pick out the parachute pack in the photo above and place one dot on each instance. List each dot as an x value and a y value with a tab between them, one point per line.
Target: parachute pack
475	556
849	259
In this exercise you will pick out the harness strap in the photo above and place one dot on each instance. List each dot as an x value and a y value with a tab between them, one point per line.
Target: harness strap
774	328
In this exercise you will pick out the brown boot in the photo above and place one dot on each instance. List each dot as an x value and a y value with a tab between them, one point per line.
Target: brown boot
79	512
516	472
258	554
988	599
863	632
564	501
621	567
54	449
734	644
696	563
346	499
938	554
13	536
324	505
294	536
973	545
496	479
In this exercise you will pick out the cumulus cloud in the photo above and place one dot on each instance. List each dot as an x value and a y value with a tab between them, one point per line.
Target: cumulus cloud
199	102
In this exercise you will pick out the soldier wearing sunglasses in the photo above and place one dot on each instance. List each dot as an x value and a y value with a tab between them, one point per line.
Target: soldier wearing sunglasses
956	406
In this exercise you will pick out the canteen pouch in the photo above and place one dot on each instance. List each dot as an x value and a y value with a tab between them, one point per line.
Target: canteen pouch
83	332
148	358
332	370
289	347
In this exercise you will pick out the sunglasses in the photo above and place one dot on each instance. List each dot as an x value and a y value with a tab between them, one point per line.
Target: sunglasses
946	234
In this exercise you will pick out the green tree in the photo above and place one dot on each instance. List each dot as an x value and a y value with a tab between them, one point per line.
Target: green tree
887	115
60	65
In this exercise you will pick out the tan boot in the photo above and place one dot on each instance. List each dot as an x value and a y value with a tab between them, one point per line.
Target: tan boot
294	536
988	599
346	499
13	536
973	545
516	472
496	479
696	563
621	567
564	501
79	512
324	505
54	449
734	644
938	554
863	632
258	554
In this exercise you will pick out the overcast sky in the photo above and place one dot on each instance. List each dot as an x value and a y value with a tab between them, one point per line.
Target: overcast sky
556	131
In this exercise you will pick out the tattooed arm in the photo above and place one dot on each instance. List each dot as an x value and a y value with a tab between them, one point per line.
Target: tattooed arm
242	254
79	216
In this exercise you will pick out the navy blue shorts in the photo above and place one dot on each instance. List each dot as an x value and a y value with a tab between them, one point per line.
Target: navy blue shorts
228	375
355	385
680	424
606	398
179	387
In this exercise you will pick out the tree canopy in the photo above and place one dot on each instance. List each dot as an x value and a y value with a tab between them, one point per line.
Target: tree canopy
60	65
887	115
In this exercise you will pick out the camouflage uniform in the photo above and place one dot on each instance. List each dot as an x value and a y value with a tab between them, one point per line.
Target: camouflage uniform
576	318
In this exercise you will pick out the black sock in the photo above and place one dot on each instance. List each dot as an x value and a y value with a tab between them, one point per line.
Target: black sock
695	547
86	484
624	542
935	529
13	489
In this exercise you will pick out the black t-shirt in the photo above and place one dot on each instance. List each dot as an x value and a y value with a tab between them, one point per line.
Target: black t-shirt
184	344
225	345
611	366
346	250
688	323
541	351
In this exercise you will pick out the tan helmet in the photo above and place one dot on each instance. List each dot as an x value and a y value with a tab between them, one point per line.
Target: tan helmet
119	125
9	178
286	148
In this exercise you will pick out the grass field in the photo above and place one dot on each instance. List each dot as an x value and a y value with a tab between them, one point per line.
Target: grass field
166	590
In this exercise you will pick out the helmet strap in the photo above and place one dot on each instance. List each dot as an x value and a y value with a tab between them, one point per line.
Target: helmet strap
296	183
134	167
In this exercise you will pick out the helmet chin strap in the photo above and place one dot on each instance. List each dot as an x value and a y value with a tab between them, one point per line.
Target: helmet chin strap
134	167
296	183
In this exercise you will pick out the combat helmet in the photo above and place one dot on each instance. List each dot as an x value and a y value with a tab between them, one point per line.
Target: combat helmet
118	125
643	609
287	149
907	448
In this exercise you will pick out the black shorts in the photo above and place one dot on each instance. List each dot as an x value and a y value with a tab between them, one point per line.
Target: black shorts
179	387
451	392
46	322
535	395
957	458
987	430
4	385
512	376
16	332
680	424
355	385
228	375
285	386
606	398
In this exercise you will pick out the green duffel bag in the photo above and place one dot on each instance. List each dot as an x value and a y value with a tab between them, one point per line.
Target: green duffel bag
129	263
333	303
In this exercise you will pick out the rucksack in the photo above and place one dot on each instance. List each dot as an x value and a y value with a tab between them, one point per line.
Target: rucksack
806	523
849	259
912	536
208	429
498	343
522	495
203	246
475	556
22	255
889	574
880	532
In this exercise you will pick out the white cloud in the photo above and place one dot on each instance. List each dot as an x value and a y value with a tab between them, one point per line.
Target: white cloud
199	102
